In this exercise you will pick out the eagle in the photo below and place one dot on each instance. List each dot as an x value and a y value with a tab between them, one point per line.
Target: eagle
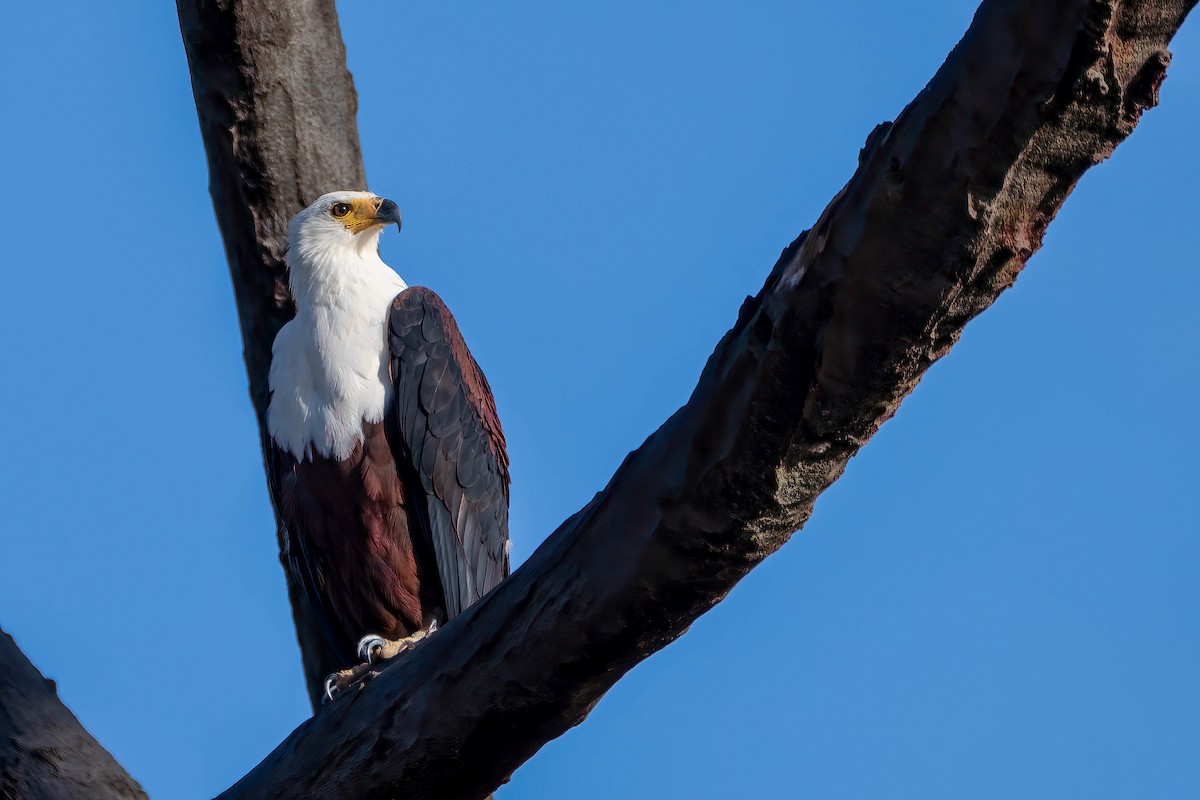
386	456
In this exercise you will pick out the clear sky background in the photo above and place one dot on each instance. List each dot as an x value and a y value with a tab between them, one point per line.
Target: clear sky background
999	598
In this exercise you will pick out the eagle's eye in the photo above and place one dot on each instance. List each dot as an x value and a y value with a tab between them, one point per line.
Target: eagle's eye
339	209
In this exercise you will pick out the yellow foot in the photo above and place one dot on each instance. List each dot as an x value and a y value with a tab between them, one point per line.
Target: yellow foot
337	683
372	650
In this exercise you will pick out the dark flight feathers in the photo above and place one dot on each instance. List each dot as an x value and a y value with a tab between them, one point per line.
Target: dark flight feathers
452	437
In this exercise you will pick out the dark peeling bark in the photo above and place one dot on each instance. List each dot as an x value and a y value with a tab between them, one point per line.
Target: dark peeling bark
947	205
45	754
277	113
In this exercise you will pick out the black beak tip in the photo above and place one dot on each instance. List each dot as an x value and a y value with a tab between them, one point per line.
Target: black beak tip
390	212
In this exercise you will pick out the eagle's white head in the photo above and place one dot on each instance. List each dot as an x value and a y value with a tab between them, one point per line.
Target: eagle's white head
329	365
337	233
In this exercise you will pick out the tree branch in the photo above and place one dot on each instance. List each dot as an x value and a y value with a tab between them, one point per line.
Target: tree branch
45	754
277	113
945	209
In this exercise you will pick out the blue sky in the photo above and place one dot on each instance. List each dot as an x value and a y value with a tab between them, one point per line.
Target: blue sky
996	601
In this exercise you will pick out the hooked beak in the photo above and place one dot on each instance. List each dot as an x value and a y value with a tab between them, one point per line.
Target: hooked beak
387	213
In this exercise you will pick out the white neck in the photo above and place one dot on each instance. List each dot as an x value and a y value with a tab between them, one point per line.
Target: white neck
329	366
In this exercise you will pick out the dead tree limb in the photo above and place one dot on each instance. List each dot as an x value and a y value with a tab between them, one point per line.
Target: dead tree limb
45	754
277	113
947	206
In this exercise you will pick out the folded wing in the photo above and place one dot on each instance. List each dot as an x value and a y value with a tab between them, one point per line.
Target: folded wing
451	436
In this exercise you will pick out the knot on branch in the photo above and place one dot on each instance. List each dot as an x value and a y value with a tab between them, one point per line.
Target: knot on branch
1143	89
1096	70
1099	80
874	140
1099	20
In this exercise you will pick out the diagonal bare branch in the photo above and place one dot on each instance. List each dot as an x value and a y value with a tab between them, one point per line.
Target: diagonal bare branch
45	754
947	206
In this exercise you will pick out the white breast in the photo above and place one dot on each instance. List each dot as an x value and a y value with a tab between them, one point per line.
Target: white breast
329	365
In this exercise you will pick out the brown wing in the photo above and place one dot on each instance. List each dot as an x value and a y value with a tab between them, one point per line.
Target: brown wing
451	435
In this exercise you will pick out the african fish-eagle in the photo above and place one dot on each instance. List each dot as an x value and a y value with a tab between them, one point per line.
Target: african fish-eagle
387	459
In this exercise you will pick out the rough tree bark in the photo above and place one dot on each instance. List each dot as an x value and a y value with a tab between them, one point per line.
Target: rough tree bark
947	205
277	113
44	752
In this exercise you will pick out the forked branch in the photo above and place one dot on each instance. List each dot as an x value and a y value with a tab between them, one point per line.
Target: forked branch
946	207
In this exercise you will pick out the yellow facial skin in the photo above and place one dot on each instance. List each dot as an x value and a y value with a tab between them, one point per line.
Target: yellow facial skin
358	214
